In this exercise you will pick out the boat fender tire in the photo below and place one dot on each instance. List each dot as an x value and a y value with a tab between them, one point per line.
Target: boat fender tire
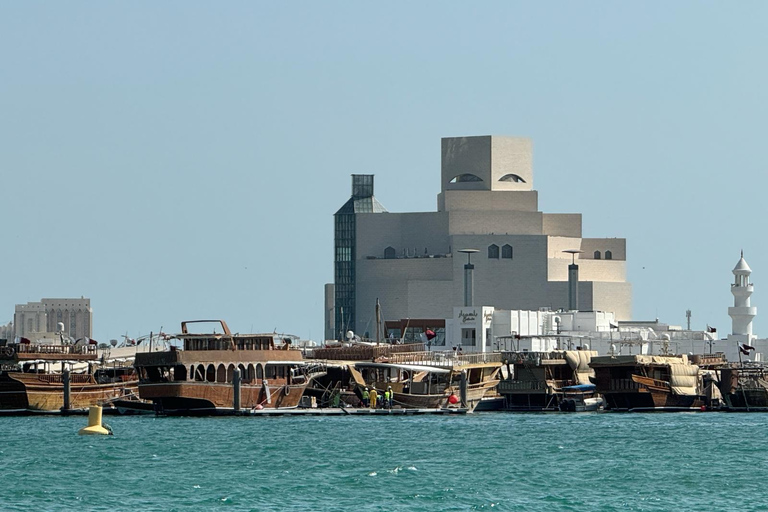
8	351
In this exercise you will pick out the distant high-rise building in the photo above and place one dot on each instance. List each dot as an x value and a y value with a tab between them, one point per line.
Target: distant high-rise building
44	316
30	318
6	331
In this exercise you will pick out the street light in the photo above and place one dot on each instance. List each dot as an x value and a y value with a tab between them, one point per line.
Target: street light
468	285
573	280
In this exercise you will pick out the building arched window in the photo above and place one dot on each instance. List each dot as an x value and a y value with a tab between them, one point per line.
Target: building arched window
390	253
180	373
493	251
597	255
608	255
506	251
465	178
512	177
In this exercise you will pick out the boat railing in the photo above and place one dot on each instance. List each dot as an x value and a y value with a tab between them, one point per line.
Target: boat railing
479	358
28	348
312	370
651	382
364	352
748	371
57	378
221	342
445	358
752	382
717	359
533	358
506	386
623	385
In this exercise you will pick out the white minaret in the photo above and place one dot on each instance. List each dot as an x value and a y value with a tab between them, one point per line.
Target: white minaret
742	313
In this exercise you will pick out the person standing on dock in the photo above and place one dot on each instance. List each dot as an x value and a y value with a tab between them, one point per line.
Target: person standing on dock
366	397
374	396
388	397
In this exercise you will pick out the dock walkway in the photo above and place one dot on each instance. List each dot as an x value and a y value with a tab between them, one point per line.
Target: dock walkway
338	411
329	411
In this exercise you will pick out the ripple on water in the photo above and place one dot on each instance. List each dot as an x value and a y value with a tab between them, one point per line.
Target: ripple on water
478	462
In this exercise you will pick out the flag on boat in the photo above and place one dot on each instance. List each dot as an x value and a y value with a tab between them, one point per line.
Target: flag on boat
744	349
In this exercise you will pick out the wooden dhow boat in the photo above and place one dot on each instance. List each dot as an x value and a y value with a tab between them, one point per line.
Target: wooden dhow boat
744	387
556	380
48	378
429	380
648	383
200	377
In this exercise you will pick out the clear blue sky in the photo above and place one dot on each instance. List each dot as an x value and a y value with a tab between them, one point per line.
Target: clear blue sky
183	160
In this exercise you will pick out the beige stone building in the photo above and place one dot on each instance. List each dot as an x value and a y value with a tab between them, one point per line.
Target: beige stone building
6	331
412	262
35	318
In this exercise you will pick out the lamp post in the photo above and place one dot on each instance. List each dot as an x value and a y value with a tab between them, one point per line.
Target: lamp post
468	284
573	280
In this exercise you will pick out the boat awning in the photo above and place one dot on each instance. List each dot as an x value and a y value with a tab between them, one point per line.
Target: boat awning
408	367
580	387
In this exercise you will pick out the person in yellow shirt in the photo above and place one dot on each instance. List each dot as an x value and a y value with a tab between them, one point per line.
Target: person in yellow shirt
366	397
373	396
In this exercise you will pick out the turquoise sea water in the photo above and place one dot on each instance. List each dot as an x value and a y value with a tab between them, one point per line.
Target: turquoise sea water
485	461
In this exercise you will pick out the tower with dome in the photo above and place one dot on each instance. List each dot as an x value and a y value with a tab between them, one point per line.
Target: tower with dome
741	343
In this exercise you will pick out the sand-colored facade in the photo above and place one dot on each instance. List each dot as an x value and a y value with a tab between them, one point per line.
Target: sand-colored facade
411	262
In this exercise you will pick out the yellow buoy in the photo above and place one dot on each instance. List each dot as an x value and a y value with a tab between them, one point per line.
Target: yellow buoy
94	427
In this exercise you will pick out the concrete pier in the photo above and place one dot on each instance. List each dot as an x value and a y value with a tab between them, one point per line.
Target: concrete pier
350	411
